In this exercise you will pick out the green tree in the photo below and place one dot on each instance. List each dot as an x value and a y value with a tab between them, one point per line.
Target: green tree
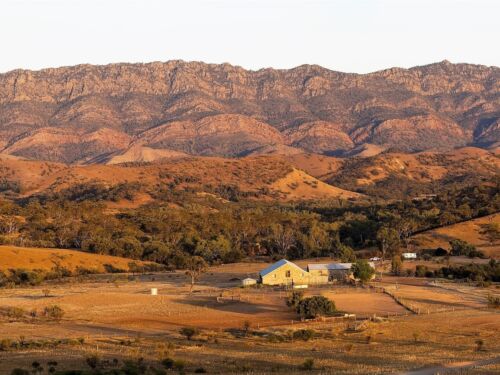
315	306
362	270
396	265
388	241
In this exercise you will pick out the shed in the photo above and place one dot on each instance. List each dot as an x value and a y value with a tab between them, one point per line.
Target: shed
334	271
248	281
409	255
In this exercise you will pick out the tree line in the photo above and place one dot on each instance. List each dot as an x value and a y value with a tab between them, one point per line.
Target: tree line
225	232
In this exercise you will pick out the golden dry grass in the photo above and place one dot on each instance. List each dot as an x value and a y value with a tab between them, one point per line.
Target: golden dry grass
44	259
110	311
467	231
299	185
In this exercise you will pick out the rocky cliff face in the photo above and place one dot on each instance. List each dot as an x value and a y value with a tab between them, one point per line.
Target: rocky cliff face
78	113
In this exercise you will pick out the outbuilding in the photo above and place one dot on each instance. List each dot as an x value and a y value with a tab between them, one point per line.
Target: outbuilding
409	255
333	271
248	281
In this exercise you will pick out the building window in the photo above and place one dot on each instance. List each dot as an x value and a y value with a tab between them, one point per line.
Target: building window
288	274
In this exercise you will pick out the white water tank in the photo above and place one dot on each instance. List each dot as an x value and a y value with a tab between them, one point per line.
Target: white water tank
154	291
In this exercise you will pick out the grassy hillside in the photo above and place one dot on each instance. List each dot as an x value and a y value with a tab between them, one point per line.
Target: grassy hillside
467	231
45	259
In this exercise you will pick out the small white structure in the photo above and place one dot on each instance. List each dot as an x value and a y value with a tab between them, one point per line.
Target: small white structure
304	286
375	259
248	281
409	255
154	291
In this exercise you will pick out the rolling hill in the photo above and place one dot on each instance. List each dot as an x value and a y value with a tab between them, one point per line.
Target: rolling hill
27	258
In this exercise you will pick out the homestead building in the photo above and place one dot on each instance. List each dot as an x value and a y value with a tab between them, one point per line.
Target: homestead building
284	272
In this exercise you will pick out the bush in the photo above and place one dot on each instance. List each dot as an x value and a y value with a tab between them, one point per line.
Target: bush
93	361
493	301
189	332
313	307
440	252
294	299
168	363
23	277
20	371
420	270
53	312
14	312
303	334
459	247
109	268
308	365
179	365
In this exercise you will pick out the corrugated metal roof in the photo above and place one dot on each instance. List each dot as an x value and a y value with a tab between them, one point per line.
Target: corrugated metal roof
333	266
329	266
277	265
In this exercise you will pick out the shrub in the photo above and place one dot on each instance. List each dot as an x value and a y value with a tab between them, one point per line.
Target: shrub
420	270
313	307
308	365
168	363
14	312
246	326
179	365
493	301
93	361
19	371
5	344
303	334
53	312
23	277
109	268
440	252
294	299
459	247
189	332
479	345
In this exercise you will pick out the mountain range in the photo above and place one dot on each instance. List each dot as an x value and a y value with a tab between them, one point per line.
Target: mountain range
143	112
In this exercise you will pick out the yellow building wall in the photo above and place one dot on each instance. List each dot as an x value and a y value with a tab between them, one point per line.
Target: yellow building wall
288	274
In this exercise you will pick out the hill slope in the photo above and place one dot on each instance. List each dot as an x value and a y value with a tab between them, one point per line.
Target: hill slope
45	259
469	231
224	110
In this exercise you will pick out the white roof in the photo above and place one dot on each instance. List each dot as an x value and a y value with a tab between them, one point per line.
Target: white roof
278	264
249	279
329	266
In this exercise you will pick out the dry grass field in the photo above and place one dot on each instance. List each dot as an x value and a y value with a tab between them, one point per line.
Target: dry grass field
27	258
469	231
114	316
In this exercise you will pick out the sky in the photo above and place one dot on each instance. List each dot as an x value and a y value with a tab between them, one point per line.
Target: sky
345	35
